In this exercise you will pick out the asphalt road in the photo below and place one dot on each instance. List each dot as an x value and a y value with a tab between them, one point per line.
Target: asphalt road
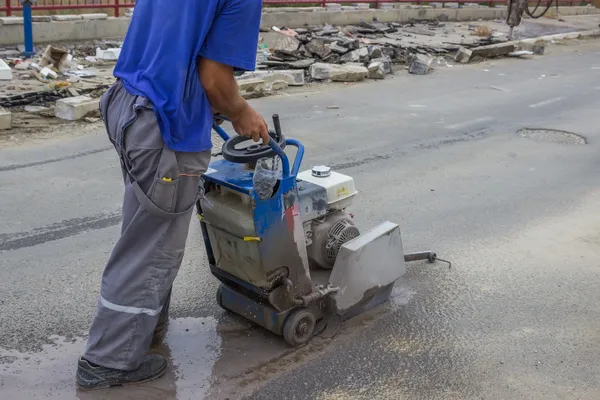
516	317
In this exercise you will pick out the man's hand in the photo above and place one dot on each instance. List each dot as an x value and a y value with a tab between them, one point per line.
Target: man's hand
250	123
221	89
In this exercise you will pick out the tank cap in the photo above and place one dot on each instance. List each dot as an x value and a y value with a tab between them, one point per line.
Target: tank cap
321	171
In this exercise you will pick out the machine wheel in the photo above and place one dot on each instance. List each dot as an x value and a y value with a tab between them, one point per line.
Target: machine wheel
299	327
220	297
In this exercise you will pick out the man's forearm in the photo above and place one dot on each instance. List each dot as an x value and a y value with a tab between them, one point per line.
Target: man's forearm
221	89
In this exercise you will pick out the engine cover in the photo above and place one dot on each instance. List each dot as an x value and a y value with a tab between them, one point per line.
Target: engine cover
328	235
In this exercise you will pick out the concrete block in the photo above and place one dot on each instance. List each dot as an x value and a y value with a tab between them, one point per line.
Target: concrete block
5	119
376	70
108	54
293	77
387	64
41	18
251	85
277	85
66	18
463	55
338	73
5	71
75	108
11	21
421	65
94	17
356	55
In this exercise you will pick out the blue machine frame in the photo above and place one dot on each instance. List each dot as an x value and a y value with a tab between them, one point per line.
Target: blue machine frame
280	238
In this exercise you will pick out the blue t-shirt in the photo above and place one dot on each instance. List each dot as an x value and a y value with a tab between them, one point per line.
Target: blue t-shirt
159	59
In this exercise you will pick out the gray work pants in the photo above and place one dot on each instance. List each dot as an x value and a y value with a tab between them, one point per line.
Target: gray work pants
160	193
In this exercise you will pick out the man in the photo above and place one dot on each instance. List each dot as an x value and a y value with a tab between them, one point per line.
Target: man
176	68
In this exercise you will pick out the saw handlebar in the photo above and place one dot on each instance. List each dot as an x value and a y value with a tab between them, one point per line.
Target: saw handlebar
285	163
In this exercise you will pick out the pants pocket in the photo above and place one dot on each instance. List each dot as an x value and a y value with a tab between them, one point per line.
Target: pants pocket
163	193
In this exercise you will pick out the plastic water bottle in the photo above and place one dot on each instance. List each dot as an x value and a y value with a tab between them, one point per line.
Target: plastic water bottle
266	174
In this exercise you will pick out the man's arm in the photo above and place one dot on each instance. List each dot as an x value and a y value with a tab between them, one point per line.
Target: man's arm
222	91
231	43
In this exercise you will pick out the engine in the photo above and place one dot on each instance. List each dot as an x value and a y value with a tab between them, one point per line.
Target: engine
324	197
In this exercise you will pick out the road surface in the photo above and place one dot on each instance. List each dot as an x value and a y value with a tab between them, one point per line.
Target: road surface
443	155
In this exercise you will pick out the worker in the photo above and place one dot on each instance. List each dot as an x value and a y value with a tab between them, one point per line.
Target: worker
175	70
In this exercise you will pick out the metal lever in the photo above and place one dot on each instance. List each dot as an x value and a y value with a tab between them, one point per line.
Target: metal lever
430	256
277	124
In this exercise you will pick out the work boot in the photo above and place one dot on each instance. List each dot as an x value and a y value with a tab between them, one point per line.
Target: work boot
92	377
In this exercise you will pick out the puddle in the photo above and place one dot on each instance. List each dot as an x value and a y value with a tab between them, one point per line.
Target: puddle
193	346
209	358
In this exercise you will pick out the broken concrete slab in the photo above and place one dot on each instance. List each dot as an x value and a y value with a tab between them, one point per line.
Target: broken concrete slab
251	85
279	42
338	73
374	51
35	109
5	119
277	85
359	55
293	77
94	17
335	47
387	64
520	53
376	70
301	64
421	65
493	50
463	55
537	48
5	71
41	18
11	21
319	48
419	31
75	108
108	54
66	18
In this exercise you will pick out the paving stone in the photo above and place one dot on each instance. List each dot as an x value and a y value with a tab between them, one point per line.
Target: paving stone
66	18
5	119
421	65
75	108
338	73
293	77
376	70
5	71
94	17
11	21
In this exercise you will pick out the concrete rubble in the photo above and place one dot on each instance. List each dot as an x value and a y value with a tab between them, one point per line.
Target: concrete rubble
65	80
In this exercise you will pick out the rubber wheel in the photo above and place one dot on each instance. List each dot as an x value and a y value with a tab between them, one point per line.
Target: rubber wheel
220	297
299	327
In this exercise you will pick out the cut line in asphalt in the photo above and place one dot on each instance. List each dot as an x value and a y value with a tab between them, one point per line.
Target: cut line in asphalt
464	124
546	102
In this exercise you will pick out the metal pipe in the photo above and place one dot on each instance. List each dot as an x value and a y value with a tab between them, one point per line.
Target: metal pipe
299	155
420	256
28	29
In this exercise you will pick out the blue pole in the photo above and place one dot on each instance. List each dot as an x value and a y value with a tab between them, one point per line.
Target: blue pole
28	27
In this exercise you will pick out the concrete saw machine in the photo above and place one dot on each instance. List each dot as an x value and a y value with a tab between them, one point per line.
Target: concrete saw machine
291	258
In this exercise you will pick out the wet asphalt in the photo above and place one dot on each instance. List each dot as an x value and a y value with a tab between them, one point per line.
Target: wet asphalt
516	316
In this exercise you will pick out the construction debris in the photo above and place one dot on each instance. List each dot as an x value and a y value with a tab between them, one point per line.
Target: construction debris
421	65
285	57
5	71
5	119
338	73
